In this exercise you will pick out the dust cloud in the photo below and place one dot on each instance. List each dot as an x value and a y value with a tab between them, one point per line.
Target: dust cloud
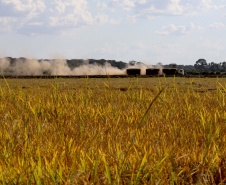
141	66
33	67
55	67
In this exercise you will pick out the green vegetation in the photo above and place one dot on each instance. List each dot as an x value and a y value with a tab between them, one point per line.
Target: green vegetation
113	131
201	67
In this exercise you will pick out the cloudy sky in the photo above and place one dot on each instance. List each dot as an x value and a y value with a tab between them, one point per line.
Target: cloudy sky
150	31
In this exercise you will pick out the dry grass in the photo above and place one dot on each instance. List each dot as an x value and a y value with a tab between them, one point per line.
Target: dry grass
113	131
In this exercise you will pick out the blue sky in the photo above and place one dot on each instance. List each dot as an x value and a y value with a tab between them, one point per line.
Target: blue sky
150	31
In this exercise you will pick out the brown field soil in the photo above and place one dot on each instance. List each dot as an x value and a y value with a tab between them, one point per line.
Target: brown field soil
113	131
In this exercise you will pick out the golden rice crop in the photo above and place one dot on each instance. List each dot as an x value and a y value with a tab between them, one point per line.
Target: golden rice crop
113	131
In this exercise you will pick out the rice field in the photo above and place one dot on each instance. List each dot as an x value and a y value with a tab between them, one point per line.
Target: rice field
113	131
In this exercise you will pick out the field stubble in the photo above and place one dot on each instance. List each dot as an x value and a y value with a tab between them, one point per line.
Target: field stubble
113	131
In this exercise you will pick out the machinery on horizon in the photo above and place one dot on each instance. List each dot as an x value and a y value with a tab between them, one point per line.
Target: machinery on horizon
155	71
172	71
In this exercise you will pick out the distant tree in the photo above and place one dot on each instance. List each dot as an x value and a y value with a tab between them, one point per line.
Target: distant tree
212	63
119	64
201	65
159	64
218	73
223	65
215	67
132	62
140	63
205	73
173	65
201	62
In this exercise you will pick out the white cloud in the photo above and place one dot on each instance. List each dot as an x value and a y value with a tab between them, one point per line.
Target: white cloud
217	25
125	4
208	4
176	30
60	6
36	23
175	7
6	24
132	18
147	8
157	8
34	34
54	16
141	1
101	5
58	15
103	18
33	7
71	13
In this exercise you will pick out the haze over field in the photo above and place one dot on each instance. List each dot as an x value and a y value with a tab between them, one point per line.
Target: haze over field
150	31
26	66
55	67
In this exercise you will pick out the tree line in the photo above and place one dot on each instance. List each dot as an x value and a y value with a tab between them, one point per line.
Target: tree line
200	67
